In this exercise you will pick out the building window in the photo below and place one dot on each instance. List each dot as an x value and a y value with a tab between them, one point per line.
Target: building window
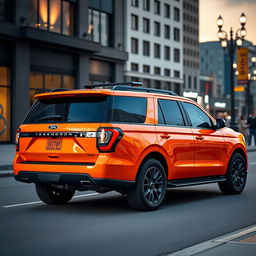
5	104
195	83
176	34
167	33
176	14
99	27
146	25
52	15
3	10
157	53
157	7
134	22
167	13
134	66
176	55
146	48
135	3
167	53
157	84
176	74
146	68
157	71
146	5
146	83
157	28
167	72
189	82
134	45
40	82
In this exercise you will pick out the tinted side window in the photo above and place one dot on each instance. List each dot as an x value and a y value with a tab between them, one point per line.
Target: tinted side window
171	112
128	109
197	117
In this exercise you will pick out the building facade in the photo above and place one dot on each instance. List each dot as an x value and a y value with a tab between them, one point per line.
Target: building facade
153	38
191	47
46	44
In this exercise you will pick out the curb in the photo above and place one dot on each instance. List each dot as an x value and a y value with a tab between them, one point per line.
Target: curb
8	173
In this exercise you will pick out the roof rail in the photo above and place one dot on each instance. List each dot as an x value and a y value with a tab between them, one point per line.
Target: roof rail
59	90
133	84
143	89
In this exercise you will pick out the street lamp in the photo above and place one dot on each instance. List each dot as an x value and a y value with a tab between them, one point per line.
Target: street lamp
231	45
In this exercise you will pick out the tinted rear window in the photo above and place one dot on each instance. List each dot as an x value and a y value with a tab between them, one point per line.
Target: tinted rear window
89	110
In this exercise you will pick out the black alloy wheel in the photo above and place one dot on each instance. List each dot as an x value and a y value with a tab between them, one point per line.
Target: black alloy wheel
150	189
236	176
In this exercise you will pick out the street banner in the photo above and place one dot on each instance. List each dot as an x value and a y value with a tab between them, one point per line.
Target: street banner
242	66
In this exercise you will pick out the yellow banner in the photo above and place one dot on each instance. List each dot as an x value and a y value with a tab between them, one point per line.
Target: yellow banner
239	88
242	65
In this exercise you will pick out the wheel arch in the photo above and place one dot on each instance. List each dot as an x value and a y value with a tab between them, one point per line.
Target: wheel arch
242	152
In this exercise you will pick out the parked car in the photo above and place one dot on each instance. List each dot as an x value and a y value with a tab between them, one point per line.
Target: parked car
134	140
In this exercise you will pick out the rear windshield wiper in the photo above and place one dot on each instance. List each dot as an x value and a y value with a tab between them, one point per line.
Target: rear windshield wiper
54	117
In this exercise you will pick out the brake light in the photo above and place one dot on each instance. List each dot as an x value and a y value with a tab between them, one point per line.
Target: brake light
107	138
17	140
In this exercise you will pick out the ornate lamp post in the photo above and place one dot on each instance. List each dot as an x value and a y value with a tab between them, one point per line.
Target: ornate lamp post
231	45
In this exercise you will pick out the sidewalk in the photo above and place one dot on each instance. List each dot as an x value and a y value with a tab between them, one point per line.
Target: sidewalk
7	153
241	242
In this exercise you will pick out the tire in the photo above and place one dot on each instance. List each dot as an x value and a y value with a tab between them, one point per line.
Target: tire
150	188
52	195
236	176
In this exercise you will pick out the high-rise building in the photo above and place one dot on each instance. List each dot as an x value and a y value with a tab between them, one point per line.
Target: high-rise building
153	38
46	44
190	47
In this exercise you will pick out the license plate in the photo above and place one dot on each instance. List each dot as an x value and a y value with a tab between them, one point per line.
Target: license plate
53	144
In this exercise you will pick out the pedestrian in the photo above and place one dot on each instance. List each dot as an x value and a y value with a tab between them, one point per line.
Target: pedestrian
242	126
251	122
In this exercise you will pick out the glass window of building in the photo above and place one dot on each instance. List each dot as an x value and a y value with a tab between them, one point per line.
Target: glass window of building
134	66
146	48
176	34
52	15
157	52
157	9
167	11
176	74
189	82
176	14
134	22
167	53
157	84
146	25
146	68
146	5
167	72
5	104
157	28
157	70
3	9
134	45
135	3
146	83
195	82
176	55
167	33
40	82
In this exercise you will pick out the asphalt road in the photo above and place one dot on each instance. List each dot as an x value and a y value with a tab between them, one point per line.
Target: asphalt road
93	224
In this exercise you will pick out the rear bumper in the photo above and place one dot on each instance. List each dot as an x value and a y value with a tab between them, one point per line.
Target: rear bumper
81	180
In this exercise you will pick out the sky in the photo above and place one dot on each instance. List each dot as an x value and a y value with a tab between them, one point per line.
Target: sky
230	10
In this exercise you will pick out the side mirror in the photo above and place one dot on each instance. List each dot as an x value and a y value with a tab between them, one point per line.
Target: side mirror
220	123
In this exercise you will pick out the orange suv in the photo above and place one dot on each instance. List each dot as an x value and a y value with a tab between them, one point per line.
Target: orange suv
134	140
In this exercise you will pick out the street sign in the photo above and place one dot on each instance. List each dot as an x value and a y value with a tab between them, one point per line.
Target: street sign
242	66
239	88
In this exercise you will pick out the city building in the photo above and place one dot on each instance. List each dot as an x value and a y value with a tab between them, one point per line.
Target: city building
153	38
46	44
191	48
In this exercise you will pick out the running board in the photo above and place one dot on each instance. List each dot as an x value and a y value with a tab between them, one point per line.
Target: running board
194	181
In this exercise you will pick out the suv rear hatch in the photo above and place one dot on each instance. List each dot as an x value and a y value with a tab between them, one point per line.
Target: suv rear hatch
62	128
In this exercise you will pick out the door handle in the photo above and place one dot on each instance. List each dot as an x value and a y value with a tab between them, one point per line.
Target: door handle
199	137
165	136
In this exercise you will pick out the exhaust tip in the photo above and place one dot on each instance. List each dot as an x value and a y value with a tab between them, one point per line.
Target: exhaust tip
85	182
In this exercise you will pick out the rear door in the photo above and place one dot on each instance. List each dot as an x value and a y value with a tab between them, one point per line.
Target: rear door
209	150
176	138
63	130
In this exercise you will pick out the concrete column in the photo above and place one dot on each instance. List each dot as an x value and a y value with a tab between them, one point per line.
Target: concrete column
20	83
119	72
83	70
119	24
82	18
21	12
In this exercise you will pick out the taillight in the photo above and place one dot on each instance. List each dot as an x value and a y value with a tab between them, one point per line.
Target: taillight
17	140
107	138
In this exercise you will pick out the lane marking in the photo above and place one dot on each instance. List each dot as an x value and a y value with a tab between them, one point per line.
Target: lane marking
210	244
40	202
